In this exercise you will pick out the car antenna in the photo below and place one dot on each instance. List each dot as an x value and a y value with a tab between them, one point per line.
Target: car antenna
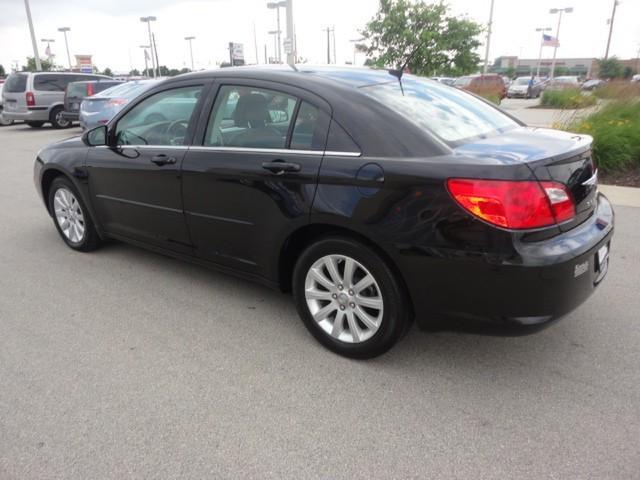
398	72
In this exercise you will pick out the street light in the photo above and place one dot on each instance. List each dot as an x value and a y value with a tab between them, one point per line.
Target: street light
64	30
146	63
276	6
559	11
276	36
189	39
541	29
34	44
148	21
613	16
486	53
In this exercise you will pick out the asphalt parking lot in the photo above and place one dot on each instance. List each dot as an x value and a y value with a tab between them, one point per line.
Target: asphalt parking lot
126	364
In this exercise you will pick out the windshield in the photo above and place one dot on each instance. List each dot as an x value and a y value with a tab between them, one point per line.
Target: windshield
462	81
16	83
451	114
522	81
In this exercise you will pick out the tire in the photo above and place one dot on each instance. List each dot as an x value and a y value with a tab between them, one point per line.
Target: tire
35	124
57	120
66	203
386	322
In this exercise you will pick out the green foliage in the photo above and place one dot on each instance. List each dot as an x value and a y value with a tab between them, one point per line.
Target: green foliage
561	71
2	72
618	90
628	72
567	98
610	68
510	72
31	65
446	44
616	134
135	72
107	71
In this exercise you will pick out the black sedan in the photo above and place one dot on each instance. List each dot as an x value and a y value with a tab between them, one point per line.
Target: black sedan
374	200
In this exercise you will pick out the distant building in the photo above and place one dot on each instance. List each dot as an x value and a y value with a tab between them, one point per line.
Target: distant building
586	67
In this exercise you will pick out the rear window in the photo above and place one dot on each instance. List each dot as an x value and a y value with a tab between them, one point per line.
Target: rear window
77	90
16	83
451	114
462	81
128	90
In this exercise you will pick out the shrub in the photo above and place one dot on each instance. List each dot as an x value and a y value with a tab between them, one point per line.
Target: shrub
618	90
616	134
567	98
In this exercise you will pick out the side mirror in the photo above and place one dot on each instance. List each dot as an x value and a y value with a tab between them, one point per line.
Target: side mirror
96	136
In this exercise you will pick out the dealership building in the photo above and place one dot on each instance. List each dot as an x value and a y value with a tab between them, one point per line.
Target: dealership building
586	67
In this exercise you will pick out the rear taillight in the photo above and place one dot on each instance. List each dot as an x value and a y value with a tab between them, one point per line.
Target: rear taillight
117	101
514	204
90	89
31	99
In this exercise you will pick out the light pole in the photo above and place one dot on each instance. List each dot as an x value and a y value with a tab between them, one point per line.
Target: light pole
146	63
276	6
34	44
541	29
276	35
486	53
613	16
48	49
148	21
64	30
559	11
189	39
292	53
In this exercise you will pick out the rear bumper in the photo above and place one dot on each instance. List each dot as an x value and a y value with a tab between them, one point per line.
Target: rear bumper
539	284
27	116
72	116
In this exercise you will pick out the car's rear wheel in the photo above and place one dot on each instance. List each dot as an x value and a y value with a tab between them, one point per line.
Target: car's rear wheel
71	217
57	119
35	124
349	298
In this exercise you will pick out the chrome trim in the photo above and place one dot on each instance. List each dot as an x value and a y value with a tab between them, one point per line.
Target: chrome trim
139	204
591	181
222	219
201	148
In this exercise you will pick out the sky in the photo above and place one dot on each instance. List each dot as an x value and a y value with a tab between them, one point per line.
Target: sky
111	30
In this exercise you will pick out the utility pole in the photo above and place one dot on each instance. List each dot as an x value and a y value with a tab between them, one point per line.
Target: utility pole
64	30
292	53
486	53
560	11
542	30
333	36
34	44
255	42
613	16
328	45
155	49
189	39
146	58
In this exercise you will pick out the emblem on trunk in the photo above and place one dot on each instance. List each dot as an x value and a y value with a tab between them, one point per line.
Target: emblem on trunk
580	268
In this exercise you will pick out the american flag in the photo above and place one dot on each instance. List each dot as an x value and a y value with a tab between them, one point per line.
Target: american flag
549	41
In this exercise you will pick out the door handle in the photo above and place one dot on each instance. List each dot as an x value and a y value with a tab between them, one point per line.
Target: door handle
279	167
163	160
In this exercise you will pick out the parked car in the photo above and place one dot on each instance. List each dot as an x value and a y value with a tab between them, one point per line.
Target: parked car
375	201
38	98
519	88
482	84
3	121
78	91
560	83
102	107
445	80
636	78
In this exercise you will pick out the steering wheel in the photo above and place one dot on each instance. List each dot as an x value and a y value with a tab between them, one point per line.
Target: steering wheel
176	130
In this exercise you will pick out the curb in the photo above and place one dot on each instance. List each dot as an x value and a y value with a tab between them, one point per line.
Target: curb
625	196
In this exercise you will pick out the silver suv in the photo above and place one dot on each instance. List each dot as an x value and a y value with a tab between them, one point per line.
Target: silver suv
38	98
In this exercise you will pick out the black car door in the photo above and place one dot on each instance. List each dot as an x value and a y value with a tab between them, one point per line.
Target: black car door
135	180
251	179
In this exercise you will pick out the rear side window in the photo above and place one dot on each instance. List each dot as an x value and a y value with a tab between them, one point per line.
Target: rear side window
306	134
77	90
16	83
339	140
52	82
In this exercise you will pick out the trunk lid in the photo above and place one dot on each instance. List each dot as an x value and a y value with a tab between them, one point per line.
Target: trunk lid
551	155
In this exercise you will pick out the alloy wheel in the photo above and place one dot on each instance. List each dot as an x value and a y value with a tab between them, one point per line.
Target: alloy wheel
69	215
344	298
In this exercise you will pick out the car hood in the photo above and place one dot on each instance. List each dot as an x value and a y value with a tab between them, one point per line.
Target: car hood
73	142
526	145
518	88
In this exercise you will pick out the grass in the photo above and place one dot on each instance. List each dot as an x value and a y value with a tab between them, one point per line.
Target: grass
618	90
615	129
567	98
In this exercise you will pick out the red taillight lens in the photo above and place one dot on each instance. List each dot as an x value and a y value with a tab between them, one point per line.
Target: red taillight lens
31	99
514	204
90	89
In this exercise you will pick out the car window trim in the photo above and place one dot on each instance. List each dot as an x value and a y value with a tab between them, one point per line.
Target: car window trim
292	123
203	148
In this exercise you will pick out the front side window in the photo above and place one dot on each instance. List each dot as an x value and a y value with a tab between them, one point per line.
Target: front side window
449	113
162	119
251	118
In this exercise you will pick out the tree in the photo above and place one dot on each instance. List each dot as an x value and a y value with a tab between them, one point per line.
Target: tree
610	68
628	72
47	65
561	71
135	72
2	72
107	71
510	72
443	44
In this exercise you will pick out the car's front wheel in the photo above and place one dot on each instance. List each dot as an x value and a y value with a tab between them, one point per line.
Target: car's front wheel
349	298
71	217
